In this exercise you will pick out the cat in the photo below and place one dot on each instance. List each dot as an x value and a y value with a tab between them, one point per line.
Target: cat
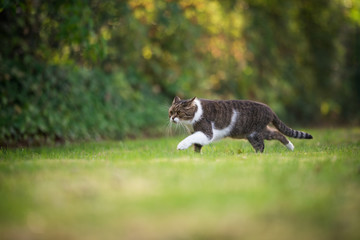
212	120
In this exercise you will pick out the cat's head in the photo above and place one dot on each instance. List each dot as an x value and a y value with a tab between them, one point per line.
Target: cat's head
182	110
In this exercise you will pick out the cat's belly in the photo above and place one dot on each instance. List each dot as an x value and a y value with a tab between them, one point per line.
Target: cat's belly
238	132
242	136
243	127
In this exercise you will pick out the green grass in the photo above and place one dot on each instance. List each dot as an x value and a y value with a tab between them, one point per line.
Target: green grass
146	189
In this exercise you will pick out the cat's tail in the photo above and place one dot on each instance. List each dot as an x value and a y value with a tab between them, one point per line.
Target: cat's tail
288	131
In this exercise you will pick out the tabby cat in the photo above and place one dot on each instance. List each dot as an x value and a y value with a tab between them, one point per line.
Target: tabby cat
210	120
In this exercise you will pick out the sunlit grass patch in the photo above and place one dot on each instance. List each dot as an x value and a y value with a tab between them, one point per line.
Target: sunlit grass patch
146	189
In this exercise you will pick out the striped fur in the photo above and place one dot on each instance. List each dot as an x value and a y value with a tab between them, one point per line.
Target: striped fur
213	120
288	131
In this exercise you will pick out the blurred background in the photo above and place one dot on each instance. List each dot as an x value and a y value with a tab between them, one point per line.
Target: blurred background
85	70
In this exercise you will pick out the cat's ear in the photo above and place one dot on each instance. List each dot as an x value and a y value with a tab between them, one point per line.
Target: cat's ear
192	101
176	100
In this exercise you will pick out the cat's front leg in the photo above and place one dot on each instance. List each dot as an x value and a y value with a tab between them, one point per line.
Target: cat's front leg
195	138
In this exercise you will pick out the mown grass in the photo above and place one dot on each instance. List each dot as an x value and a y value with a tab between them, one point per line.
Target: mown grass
146	189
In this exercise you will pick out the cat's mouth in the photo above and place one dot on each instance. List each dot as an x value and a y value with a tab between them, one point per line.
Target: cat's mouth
174	119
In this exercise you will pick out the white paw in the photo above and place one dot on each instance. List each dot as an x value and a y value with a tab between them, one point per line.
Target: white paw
183	145
290	146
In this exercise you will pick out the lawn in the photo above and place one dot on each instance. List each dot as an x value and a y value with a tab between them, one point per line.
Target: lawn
146	189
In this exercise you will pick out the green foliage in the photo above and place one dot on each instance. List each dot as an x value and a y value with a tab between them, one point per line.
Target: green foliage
57	103
146	189
300	57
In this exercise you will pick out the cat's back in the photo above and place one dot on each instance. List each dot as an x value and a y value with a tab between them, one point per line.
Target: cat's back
224	106
220	112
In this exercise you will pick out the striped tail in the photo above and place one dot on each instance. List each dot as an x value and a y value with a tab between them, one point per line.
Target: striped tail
288	131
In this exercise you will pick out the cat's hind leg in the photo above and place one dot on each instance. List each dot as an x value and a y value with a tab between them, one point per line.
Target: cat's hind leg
257	141
271	134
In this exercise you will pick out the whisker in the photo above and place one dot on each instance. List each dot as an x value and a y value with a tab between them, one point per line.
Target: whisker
184	128
168	128
175	128
169	131
164	106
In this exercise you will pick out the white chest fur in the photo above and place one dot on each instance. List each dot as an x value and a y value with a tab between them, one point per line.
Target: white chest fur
221	133
199	112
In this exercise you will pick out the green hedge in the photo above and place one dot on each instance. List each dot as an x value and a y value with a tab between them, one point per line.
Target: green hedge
50	103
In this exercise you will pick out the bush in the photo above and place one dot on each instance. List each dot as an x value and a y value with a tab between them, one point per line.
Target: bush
51	103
